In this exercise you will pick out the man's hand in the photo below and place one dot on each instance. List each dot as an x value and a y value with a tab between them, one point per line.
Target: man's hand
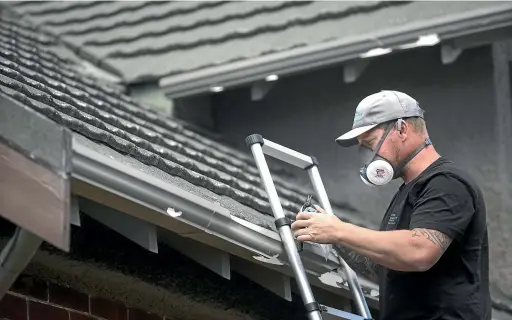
401	250
317	227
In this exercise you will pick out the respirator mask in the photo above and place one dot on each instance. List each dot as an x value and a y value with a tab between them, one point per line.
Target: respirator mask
377	171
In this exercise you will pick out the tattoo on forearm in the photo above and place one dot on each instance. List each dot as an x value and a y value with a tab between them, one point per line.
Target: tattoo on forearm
361	264
436	237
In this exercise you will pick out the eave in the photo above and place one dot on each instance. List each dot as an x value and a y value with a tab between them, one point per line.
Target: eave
335	52
142	196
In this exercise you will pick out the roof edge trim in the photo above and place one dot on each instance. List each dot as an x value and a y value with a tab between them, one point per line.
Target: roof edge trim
113	176
323	54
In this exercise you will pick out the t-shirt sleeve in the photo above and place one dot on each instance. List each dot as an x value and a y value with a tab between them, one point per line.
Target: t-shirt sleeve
445	205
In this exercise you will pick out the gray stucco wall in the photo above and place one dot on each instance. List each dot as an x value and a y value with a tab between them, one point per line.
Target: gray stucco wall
309	111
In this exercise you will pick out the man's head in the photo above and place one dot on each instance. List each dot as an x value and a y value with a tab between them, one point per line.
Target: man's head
389	125
403	138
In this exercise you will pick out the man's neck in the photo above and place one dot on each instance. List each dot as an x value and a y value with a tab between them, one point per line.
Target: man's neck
419	163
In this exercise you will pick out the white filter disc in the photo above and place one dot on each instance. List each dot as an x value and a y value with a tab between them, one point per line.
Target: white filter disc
379	172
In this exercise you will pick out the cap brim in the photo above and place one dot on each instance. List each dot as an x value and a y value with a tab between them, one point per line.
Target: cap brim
349	139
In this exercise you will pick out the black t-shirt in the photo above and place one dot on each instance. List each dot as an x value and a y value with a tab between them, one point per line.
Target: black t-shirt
445	199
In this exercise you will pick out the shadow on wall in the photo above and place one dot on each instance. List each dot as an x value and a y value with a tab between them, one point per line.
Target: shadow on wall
309	111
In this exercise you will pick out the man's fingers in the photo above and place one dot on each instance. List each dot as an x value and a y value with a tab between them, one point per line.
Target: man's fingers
301	232
299	224
319	209
304	215
306	237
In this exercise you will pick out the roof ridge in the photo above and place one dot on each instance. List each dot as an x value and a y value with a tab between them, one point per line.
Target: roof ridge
324	15
201	23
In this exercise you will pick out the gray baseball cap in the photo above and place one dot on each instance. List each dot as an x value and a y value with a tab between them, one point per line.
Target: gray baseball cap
378	108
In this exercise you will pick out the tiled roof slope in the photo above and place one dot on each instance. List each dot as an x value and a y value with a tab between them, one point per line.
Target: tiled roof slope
150	39
34	75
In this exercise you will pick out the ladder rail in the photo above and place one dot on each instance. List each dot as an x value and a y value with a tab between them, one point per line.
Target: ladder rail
353	282
259	147
285	233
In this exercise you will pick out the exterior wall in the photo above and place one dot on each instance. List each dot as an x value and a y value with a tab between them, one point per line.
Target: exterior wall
195	109
502	194
33	299
309	111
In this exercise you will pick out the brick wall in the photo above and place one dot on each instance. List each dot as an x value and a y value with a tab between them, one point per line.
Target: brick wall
32	299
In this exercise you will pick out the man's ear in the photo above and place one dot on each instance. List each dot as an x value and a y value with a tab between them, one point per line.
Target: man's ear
403	129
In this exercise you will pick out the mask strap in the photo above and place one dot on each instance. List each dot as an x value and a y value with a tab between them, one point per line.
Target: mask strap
412	155
381	141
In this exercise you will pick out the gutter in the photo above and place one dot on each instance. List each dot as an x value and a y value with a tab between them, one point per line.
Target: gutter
110	175
324	54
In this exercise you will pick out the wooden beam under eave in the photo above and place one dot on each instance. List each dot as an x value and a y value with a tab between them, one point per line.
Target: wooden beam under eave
34	197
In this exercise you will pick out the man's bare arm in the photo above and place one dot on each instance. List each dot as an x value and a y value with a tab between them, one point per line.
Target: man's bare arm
438	238
368	268
361	264
414	250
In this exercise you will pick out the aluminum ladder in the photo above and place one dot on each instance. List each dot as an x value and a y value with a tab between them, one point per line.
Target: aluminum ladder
259	147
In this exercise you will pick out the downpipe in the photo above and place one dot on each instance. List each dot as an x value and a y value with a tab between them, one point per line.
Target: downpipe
15	256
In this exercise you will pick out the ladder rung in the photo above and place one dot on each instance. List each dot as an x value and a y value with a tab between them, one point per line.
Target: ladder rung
329	313
281	152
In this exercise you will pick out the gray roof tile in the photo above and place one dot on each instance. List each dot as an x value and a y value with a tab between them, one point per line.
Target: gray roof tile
40	79
38	8
148	16
147	40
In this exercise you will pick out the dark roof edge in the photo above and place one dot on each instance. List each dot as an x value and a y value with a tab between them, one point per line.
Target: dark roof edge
113	176
323	54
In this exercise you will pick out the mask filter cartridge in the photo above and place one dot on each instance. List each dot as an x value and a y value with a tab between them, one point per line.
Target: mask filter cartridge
379	172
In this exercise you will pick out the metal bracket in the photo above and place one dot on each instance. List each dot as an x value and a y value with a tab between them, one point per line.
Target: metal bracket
353	70
450	54
141	232
74	215
212	258
260	89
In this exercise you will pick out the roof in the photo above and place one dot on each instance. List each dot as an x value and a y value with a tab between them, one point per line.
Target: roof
124	134
121	146
106	116
181	42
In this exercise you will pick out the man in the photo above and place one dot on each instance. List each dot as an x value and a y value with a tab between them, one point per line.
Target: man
430	255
